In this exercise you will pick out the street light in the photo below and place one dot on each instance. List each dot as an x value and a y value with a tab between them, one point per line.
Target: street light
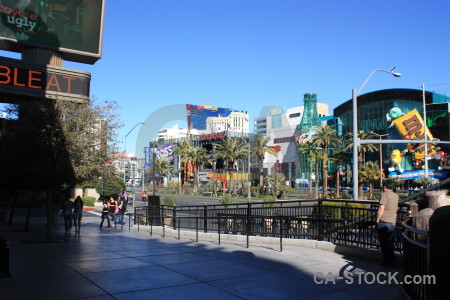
125	146
381	157
356	141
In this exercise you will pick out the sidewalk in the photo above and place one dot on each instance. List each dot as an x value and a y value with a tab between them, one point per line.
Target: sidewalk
123	264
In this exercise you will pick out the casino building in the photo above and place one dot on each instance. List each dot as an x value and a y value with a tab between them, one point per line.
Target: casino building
373	113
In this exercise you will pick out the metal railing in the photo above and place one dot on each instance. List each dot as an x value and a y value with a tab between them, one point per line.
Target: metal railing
415	260
342	222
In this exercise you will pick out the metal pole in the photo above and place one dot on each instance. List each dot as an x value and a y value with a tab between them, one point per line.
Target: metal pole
249	183
355	145
425	130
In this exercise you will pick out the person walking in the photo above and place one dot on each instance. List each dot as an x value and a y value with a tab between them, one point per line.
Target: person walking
386	219
119	214
112	208
67	211
77	213
105	214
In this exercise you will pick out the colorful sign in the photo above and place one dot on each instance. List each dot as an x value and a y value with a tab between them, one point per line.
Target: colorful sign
197	114
411	127
73	28
439	174
147	157
165	151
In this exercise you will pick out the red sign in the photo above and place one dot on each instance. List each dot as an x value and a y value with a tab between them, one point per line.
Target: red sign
277	148
212	136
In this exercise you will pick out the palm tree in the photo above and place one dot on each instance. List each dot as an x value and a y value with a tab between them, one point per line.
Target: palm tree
316	157
338	157
370	171
276	181
260	149
324	137
162	166
362	149
231	149
183	148
196	156
307	149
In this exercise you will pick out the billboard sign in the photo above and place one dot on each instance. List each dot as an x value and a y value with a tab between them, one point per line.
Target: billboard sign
20	78
147	157
165	151
411	127
439	174
197	114
73	28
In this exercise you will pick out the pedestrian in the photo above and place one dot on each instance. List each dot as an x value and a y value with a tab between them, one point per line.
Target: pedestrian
77	213
118	203
67	211
105	214
144	197
124	196
119	214
386	219
112	208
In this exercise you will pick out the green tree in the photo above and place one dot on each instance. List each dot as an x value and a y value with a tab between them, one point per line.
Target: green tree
277	181
260	149
181	150
230	150
370	171
338	157
307	149
324	137
316	157
162	166
197	156
362	149
109	186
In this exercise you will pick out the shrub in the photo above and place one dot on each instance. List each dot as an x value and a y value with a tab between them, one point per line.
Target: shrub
169	201
227	200
269	200
88	201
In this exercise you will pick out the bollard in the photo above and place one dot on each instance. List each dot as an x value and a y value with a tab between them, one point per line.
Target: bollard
4	258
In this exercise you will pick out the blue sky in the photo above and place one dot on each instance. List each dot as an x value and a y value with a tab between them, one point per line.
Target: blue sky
247	54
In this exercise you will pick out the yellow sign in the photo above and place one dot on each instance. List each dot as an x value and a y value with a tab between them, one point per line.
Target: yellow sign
411	127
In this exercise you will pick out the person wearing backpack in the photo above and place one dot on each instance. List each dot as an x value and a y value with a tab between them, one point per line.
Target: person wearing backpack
67	212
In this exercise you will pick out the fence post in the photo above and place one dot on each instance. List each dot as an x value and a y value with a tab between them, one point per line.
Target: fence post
321	219
174	213
281	233
218	227
248	221
205	218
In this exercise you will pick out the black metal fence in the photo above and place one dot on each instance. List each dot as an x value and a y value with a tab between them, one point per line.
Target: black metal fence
339	221
415	260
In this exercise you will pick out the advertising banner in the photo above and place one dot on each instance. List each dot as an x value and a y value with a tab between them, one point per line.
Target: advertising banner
439	174
411	127
165	151
73	28
147	157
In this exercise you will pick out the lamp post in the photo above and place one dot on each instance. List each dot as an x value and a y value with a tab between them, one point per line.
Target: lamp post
125	146
381	157
356	140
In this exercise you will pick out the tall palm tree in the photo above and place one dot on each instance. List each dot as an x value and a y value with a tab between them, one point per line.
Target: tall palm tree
370	171
162	166
316	157
196	156
362	149
231	149
260	149
307	149
183	148
338	157
324	137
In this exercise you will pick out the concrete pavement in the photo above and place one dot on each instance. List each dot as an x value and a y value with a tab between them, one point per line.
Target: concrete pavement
123	264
